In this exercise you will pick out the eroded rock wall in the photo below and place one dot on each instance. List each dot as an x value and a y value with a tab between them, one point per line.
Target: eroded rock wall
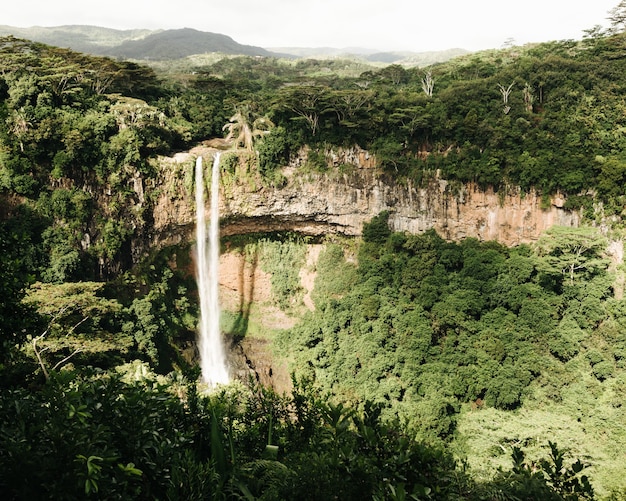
350	193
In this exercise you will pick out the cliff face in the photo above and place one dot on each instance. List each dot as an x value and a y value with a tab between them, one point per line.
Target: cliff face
350	193
339	201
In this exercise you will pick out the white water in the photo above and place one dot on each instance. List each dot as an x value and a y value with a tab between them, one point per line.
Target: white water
212	358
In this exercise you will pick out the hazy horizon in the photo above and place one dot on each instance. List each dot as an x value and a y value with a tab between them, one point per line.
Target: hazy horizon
400	25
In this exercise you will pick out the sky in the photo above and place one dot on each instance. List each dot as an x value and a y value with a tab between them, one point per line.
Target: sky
409	25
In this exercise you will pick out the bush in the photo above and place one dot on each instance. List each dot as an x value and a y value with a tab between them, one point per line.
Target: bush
274	151
603	370
377	230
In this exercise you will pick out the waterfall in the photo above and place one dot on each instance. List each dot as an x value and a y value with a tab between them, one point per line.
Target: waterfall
212	358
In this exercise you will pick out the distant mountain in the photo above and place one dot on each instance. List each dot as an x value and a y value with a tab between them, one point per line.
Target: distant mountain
373	56
89	39
156	45
424	58
322	52
163	45
178	44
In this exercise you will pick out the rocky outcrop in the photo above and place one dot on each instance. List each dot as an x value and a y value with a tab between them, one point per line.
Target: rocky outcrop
350	193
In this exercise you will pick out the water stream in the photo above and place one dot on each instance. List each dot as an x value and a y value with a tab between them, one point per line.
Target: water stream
210	345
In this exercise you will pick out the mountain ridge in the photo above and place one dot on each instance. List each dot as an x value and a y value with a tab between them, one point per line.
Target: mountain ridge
82	38
183	42
160	45
373	55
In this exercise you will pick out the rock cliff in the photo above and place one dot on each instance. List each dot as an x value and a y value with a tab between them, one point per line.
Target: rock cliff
338	201
350	193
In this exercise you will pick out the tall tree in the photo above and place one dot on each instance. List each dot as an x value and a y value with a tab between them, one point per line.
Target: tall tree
571	252
306	102
505	91
617	17
243	128
428	83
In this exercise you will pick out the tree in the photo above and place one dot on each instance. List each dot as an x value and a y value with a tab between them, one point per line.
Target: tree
592	35
612	176
307	102
428	83
156	318
135	113
572	251
68	306
617	17
21	124
529	98
411	119
505	91
243	128
395	73
347	104
16	318
377	230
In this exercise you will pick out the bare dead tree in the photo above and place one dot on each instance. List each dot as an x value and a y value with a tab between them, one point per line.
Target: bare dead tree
21	125
428	83
506	92
617	17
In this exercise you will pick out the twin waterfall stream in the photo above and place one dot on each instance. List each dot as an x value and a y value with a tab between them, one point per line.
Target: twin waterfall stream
212	356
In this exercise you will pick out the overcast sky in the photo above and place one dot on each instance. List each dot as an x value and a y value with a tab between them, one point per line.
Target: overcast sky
414	25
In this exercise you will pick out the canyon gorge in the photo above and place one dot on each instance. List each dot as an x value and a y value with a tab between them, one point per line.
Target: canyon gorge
335	202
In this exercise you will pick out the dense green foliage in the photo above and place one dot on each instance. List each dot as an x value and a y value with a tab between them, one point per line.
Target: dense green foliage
76	130
429	330
16	318
72	128
133	436
427	325
545	116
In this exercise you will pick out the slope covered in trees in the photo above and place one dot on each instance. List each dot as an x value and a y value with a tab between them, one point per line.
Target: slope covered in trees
416	346
547	116
446	335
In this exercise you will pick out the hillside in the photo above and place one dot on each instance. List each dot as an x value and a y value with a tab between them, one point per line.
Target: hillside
88	39
134	44
176	44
